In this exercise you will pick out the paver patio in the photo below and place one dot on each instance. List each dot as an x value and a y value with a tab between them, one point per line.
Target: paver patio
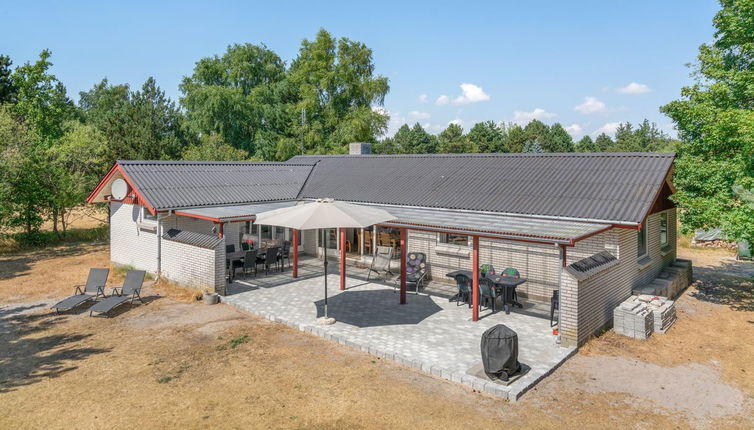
428	333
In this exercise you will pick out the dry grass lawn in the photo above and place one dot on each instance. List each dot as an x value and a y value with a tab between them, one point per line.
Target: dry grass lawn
176	363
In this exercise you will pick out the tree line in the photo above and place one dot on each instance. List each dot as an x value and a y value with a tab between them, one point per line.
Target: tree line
535	136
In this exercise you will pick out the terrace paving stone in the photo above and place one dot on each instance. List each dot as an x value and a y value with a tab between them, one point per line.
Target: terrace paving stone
428	333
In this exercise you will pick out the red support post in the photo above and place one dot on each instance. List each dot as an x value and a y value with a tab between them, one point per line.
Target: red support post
403	266
342	259
294	250
475	279
220	230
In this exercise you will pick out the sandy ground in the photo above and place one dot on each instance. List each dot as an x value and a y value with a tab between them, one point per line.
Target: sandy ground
176	363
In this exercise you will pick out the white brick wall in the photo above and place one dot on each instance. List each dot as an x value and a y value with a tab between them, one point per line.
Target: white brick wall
130	246
192	266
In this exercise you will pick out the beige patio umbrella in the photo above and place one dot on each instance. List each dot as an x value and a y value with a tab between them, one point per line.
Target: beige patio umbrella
321	214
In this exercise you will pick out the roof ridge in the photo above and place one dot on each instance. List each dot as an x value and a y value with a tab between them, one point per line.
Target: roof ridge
496	154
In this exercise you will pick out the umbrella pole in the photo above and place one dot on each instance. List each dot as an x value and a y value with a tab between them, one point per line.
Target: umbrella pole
324	247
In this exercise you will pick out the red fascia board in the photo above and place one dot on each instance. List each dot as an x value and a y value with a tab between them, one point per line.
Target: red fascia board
117	168
213	219
594	233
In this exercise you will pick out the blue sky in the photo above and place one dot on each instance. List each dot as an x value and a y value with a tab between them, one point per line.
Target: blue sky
570	62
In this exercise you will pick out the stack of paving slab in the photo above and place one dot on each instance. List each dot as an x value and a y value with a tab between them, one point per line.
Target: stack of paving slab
633	319
670	281
663	311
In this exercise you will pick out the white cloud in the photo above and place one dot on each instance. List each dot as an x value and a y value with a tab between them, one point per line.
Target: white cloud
423	98
574	129
457	121
538	113
419	115
590	105
609	128
634	88
470	93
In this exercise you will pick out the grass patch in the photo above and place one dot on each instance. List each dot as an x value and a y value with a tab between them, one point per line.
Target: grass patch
234	343
164	379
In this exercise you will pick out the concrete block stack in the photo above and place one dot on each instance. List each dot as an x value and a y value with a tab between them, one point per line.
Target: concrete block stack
633	319
663	311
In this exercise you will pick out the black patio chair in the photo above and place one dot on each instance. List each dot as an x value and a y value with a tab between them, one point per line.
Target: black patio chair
554	305
381	262
244	246
249	263
93	289
486	269
513	273
285	253
487	293
463	283
130	291
270	258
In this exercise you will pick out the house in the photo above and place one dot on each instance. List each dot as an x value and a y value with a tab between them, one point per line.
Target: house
595	227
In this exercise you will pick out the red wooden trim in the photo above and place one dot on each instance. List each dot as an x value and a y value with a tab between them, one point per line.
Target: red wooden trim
475	278
208	218
295	253
403	266
587	236
565	255
102	183
342	259
220	231
144	201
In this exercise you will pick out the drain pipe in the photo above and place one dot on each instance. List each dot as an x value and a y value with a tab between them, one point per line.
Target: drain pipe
159	243
562	254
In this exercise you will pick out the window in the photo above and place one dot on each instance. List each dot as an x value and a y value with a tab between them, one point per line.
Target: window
642	241
663	228
147	216
280	234
266	232
454	239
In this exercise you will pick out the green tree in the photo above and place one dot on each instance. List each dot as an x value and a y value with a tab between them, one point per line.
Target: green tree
337	87
533	146
559	139
586	144
7	88
487	136
452	141
240	96
212	148
603	143
715	118
414	140
539	131
142	124
515	138
385	146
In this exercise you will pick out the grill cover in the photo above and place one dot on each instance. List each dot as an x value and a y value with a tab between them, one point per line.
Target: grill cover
500	352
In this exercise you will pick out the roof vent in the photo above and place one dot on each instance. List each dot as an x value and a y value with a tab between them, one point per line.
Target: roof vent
359	148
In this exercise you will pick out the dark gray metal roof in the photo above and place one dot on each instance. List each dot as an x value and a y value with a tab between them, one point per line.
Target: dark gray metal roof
191	238
235	213
179	184
614	187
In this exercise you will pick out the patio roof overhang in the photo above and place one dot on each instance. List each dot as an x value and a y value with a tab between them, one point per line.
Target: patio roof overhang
488	225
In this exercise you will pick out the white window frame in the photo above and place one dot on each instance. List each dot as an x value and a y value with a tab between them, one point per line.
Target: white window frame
147	217
642	231
440	241
665	230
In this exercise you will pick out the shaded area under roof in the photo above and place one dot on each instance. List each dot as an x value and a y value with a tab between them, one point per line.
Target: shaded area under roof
612	187
178	184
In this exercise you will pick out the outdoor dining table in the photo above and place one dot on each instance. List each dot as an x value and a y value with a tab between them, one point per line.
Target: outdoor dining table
507	284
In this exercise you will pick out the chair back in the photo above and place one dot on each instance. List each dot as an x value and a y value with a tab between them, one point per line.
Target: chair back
286	248
272	255
486	269
97	279
381	260
244	246
229	249
416	264
250	259
485	288
510	272
463	283
134	281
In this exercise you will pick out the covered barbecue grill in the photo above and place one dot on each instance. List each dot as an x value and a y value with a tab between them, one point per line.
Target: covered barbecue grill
500	352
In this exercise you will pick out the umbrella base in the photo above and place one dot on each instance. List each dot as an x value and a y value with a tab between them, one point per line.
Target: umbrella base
325	321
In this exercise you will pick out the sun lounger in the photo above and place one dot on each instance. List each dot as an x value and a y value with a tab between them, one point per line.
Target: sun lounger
94	288
130	291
